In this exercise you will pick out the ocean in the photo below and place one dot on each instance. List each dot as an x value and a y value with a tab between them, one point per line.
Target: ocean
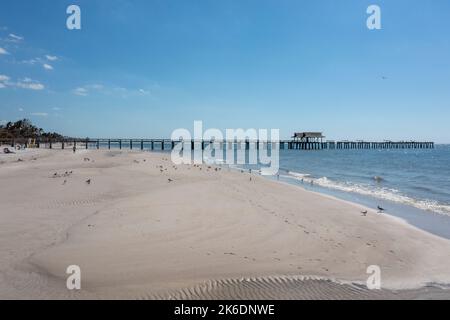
413	184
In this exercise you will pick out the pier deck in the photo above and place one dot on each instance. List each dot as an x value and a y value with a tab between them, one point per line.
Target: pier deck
167	144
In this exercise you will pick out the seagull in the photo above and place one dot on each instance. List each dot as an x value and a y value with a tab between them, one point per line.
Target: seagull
380	209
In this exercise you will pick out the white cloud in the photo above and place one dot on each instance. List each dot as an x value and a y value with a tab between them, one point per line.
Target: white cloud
39	114
56	109
3	51
95	86
47	66
30	61
15	37
80	92
25	83
51	58
84	90
3	81
144	92
30	84
21	109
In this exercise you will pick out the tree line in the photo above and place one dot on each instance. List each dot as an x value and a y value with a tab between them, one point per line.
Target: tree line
24	129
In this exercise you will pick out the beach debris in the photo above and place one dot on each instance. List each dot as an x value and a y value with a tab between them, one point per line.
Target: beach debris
65	181
7	151
380	209
88	181
169	180
19	160
86	159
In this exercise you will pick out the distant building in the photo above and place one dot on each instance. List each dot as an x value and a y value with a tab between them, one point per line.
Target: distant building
308	136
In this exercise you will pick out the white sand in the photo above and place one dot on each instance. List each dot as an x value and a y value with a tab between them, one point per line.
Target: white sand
136	235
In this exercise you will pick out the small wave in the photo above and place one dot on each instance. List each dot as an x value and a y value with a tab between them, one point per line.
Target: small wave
298	175
393	195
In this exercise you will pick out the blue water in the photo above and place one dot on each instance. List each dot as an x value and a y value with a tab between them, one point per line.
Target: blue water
415	177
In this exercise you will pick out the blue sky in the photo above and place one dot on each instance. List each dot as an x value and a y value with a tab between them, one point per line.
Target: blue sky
143	68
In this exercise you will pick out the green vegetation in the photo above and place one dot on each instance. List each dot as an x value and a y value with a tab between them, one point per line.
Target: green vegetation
24	129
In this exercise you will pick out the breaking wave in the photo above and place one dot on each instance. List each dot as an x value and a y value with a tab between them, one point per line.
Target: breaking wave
373	191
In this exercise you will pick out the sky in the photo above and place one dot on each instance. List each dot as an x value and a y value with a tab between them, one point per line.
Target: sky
143	68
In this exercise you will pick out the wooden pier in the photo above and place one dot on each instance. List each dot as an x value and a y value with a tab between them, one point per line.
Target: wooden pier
167	144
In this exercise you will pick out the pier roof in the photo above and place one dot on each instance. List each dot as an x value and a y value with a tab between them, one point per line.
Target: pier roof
302	135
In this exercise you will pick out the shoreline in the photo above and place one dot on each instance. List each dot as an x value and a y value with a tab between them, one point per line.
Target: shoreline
144	227
429	221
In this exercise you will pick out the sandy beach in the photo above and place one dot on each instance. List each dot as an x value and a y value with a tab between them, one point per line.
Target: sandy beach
140	227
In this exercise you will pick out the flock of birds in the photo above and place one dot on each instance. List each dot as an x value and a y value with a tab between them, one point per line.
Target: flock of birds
89	181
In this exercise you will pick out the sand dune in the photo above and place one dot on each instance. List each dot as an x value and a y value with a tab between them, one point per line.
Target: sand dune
144	228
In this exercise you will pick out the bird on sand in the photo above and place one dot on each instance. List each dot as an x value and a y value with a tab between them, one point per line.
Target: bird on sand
364	212
170	180
88	181
380	209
